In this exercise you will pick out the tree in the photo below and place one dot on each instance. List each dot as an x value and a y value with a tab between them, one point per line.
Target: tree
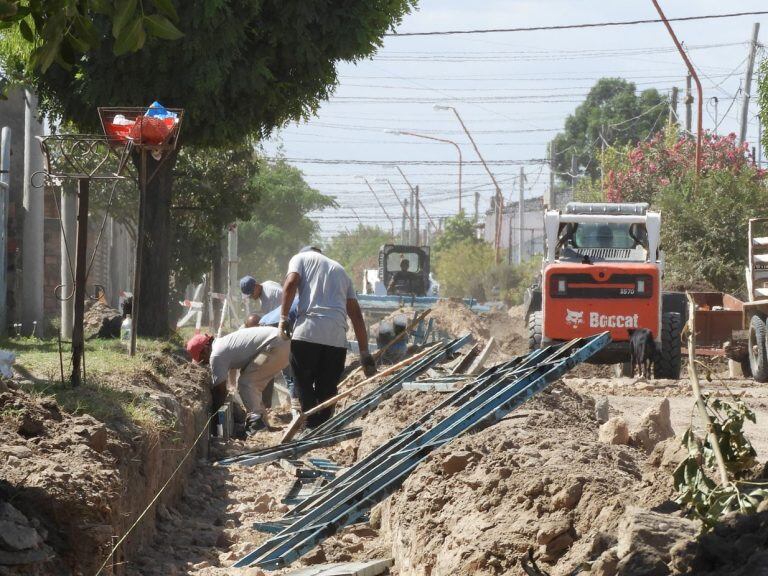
704	230
612	114
358	249
461	267
457	229
62	30
279	224
220	187
243	68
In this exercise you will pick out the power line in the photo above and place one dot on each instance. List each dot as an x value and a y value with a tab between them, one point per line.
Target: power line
578	26
408	162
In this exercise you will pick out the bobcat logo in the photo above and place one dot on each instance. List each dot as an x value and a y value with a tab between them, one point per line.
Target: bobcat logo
574	318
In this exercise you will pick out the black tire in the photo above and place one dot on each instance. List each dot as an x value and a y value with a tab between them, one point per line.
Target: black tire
535	322
667	364
758	361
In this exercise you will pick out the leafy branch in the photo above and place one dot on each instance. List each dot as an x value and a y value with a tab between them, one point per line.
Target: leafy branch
725	448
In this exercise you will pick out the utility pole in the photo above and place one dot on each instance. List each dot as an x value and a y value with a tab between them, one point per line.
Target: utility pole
32	255
418	202
673	106
573	177
412	205
477	207
688	104
520	216
403	237
748	83
549	198
5	185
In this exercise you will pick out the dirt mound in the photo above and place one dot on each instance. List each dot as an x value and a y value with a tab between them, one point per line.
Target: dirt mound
76	482
393	415
738	546
58	471
527	481
455	319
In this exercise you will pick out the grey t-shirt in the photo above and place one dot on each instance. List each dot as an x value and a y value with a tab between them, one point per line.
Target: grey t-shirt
271	295
234	351
323	292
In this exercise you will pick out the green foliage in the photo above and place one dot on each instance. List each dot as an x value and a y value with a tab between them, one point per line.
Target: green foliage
701	496
461	267
277	225
705	234
243	67
511	281
704	223
458	229
62	31
358	249
215	187
614	112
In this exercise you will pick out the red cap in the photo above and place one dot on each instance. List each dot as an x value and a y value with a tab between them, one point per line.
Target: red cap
196	345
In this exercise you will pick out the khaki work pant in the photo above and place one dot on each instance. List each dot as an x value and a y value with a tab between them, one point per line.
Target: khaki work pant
258	373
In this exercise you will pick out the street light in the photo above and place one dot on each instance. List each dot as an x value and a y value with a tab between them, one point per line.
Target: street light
391	222
436	139
404	206
499	198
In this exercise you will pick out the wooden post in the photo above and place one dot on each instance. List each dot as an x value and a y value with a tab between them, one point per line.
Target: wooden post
78	340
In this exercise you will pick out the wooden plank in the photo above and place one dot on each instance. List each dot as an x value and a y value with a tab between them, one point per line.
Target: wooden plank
478	364
364	568
467	360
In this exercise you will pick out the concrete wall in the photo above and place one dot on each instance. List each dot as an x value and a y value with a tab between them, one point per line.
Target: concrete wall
533	225
12	115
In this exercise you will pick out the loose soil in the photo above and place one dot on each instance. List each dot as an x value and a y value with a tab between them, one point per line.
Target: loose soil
73	484
539	480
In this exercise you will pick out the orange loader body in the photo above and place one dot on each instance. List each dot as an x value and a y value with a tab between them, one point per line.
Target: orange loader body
580	300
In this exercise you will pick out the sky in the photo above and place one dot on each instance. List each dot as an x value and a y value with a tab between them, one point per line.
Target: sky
513	91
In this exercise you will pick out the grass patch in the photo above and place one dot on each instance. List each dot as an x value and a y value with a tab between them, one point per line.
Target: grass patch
107	364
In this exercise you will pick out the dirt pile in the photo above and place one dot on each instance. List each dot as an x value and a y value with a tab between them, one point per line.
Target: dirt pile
393	415
75	484
59	472
738	546
542	480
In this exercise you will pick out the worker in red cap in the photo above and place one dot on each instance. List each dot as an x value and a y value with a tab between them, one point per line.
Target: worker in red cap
259	354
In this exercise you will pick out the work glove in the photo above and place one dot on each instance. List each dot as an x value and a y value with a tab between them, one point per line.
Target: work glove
284	326
368	364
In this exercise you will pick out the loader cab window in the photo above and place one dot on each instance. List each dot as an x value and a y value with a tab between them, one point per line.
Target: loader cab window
395	262
604	235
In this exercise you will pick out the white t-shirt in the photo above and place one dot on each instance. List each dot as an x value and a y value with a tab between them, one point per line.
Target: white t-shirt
234	351
271	296
324	288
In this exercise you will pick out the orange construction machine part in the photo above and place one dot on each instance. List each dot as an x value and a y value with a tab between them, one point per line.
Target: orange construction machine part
581	300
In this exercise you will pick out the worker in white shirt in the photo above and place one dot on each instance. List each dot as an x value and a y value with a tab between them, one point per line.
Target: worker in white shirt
319	336
269	293
258	353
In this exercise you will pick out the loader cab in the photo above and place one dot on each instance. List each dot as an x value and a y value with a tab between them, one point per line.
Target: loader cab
404	270
602	271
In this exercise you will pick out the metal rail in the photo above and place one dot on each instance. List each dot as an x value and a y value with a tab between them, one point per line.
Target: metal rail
388	389
290	449
491	396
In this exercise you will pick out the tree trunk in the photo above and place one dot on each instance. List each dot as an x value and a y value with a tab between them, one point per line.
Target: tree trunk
155	267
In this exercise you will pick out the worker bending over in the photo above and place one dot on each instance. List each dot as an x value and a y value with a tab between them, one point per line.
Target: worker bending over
319	336
269	293
258	353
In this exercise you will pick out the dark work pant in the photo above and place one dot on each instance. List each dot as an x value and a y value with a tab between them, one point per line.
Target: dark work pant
317	369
